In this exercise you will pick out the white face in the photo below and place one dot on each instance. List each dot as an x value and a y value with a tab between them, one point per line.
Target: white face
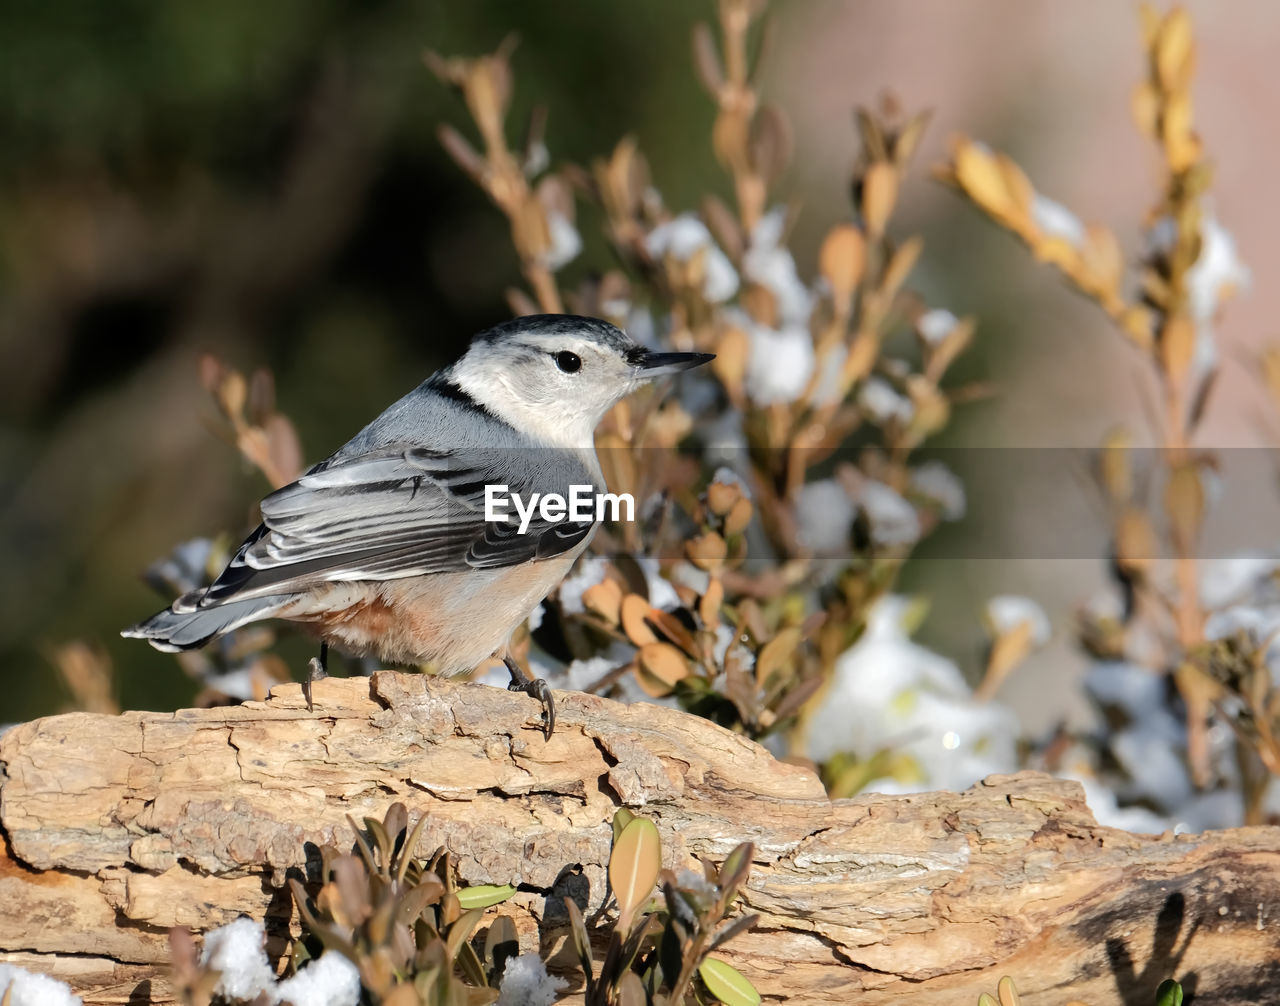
553	386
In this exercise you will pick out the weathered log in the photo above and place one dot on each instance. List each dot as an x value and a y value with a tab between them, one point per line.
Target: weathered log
119	827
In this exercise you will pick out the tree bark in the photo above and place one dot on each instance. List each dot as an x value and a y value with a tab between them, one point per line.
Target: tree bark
119	827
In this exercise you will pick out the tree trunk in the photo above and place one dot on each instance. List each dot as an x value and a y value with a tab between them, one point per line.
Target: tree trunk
118	827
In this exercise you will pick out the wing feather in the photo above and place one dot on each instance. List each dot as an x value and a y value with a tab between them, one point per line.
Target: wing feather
395	513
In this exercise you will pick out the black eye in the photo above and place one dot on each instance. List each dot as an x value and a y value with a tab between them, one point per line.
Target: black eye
568	362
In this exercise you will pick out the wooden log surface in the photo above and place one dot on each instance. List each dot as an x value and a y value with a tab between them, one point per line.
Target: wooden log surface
117	828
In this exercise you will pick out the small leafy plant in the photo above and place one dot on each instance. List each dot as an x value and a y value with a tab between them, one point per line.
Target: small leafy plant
661	944
404	923
400	931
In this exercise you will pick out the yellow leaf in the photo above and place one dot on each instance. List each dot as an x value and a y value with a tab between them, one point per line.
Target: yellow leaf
879	193
1017	184
1145	106
1184	504
634	865
1007	992
727	984
1177	346
1007	652
1271	370
776	652
1175	51
1056	250
1114	469
984	183
842	260
1136	322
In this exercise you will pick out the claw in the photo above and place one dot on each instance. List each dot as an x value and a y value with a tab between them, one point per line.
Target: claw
538	688
317	670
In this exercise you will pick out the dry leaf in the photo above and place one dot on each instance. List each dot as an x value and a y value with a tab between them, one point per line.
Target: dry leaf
664	662
634	613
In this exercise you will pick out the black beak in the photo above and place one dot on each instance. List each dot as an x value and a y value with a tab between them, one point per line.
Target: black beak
653	365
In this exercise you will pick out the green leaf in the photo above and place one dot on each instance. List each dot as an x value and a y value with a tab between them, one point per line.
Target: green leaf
1169	993
621	818
727	984
501	944
461	931
634	866
483	895
986	1000
406	850
735	869
581	940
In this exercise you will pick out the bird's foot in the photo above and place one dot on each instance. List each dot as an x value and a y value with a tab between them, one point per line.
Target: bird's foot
538	688
316	671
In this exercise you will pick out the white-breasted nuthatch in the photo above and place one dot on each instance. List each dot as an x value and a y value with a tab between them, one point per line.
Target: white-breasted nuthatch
383	548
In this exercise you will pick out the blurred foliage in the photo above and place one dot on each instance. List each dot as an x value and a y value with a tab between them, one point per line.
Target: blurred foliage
1216	654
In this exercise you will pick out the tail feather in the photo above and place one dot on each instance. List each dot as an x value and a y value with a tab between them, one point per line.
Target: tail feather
185	625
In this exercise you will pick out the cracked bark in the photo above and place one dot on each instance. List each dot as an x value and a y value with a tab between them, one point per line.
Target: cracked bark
119	827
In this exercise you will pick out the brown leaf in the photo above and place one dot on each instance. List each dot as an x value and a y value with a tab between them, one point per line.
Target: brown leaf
706	60
707	551
709	605
634	614
771	143
1007	651
721	496
900	265
879	194
1135	540
1177	346
604	599
1114	468
841	261
674	629
463	154
664	662
904	146
730	138
733	350
738	517
776	653
724	226
1184	505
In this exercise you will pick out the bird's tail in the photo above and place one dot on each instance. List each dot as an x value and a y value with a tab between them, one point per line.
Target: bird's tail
186	625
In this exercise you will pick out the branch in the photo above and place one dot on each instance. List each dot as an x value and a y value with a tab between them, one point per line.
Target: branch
119	827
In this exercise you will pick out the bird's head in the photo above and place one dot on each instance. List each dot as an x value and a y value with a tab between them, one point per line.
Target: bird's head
554	376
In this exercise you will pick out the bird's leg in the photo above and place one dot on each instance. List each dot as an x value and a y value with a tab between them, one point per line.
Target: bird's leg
538	688
317	670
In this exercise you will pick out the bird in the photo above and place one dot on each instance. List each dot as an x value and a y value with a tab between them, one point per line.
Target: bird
383	549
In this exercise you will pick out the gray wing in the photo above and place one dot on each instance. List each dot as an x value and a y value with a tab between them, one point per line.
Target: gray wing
399	511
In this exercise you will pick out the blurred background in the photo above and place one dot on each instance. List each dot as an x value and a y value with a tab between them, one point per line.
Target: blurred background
264	182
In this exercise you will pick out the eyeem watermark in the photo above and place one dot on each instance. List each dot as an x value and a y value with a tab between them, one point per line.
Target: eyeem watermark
583	504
